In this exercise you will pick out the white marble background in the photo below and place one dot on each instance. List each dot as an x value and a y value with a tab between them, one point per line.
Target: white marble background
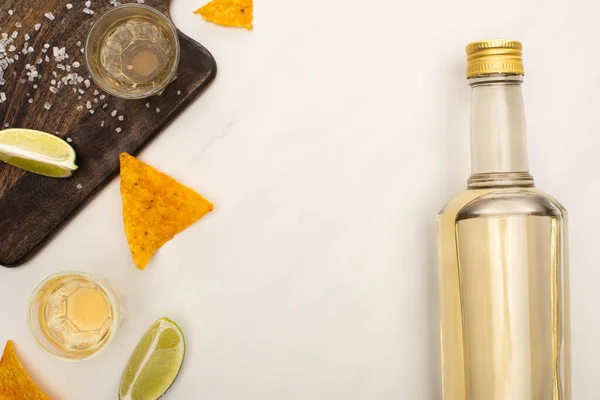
331	137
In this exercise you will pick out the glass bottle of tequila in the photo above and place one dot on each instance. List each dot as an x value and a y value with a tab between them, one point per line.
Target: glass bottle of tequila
503	261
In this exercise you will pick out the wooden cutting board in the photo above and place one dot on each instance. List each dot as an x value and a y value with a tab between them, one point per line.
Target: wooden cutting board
33	207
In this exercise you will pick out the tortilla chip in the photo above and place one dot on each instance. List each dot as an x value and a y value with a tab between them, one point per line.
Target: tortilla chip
155	208
236	13
15	384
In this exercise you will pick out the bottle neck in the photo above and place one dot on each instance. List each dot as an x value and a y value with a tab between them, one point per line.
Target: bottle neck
498	132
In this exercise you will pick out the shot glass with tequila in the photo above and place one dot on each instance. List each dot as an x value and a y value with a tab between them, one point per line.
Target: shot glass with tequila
132	51
73	315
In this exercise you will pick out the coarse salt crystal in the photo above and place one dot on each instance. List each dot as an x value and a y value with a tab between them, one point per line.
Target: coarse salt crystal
2	97
69	140
27	37
102	97
69	6
81	91
76	64
37	27
39	61
88	3
105	105
14	35
78	43
79	186
88	11
53	89
88	105
157	109
53	82
179	93
35	86
121	118
87	83
118	130
147	105
18	25
102	123
91	111
50	16
30	101
47	106
6	125
80	108
96	92
113	113
10	12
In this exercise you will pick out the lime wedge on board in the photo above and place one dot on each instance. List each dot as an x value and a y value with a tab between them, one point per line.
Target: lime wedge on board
155	362
38	152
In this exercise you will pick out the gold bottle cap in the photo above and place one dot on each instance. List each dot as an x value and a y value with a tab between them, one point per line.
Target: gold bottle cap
498	56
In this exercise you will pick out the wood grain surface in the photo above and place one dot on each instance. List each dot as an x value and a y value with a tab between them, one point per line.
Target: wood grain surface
33	207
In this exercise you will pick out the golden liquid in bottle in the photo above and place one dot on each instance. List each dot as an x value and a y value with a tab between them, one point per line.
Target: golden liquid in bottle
503	281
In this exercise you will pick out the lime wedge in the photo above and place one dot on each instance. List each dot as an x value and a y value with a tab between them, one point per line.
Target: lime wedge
155	362
38	152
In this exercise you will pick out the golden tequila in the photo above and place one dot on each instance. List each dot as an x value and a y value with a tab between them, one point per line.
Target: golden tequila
73	315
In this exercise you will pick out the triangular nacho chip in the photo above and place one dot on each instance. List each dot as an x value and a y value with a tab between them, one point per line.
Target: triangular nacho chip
155	208
236	13
15	384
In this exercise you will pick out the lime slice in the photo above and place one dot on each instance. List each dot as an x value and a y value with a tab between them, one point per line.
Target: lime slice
155	362
38	152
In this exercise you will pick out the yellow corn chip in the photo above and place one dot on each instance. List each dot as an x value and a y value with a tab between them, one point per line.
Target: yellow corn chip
155	208
15	384
236	13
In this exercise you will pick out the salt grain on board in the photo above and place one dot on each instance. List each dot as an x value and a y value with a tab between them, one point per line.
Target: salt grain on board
69	140
118	130
121	118
113	113
79	186
47	106
37	27
69	6
50	16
